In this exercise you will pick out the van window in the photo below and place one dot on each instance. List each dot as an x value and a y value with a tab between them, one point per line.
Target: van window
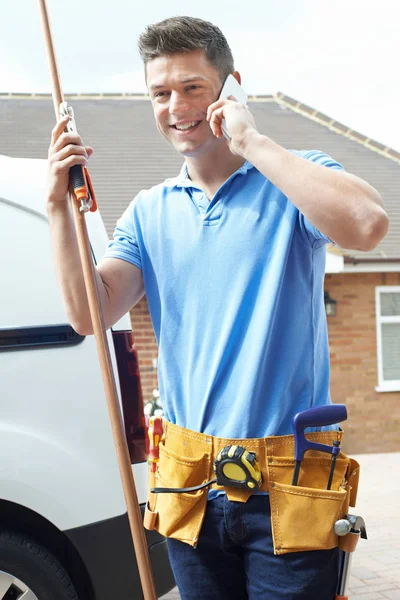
28	286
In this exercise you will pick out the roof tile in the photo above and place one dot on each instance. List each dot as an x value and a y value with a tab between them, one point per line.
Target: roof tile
130	155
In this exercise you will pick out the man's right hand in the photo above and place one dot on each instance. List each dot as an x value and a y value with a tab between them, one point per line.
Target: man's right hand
65	151
120	283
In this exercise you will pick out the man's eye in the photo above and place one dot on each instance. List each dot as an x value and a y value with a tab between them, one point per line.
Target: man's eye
160	94
193	87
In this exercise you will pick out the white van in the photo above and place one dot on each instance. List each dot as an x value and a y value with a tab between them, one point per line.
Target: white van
64	531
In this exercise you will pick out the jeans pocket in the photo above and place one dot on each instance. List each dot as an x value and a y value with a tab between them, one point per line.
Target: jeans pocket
303	518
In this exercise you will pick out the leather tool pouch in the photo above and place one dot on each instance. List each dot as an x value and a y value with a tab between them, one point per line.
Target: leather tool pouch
181	515
303	516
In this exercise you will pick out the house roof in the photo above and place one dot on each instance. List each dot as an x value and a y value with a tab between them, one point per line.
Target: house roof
130	155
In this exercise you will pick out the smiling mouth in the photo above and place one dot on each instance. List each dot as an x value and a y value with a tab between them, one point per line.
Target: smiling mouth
187	127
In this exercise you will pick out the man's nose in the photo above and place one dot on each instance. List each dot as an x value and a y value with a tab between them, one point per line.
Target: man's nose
177	103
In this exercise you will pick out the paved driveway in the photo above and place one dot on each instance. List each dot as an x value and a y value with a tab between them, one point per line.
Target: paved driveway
375	572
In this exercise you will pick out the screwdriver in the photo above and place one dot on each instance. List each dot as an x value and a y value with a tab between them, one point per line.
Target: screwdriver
336	443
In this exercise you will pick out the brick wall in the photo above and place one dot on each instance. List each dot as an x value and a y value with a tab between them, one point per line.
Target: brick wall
146	347
374	417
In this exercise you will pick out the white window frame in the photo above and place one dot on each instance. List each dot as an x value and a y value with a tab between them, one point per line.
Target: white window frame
392	385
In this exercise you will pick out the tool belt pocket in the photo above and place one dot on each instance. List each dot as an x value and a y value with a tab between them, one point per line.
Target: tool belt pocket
180	515
303	517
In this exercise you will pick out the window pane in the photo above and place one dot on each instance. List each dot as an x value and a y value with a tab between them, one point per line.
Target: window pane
390	304
391	350
29	292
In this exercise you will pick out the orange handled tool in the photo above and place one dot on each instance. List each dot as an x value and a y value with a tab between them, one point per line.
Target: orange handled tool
155	436
78	175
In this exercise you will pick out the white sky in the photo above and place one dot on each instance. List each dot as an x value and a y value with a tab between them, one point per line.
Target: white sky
340	57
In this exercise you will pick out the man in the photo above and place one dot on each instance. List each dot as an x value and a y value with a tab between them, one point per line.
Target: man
231	255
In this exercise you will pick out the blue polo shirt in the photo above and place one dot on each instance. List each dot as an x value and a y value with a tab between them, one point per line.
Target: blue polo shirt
235	293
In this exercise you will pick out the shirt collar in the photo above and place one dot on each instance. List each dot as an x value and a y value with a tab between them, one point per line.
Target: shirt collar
182	180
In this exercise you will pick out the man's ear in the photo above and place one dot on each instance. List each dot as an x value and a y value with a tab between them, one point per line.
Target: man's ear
237	76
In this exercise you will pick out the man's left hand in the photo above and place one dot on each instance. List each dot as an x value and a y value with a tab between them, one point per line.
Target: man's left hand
238	121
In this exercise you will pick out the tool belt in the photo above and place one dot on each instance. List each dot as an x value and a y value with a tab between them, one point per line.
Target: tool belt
302	516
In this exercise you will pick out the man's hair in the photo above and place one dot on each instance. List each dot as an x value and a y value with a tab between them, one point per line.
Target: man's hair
186	34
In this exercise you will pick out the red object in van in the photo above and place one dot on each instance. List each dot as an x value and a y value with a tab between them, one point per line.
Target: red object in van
131	395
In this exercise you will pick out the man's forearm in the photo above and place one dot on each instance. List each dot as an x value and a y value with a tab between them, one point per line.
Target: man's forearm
69	268
343	207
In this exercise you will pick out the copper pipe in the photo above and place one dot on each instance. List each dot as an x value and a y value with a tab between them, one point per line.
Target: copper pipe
124	463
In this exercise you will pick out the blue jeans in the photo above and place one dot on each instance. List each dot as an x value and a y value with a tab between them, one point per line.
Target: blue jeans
234	559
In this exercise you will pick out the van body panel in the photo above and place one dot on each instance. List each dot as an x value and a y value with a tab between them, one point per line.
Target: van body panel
106	547
31	237
57	453
73	447
54	413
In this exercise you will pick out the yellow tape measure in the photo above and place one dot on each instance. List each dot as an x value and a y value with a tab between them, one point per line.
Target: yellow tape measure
236	467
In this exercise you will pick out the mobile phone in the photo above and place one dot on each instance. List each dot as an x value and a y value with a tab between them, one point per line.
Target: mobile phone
231	88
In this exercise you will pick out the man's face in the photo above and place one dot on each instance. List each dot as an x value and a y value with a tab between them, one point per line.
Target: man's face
182	87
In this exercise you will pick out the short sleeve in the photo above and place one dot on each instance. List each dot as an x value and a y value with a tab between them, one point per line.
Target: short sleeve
124	244
315	237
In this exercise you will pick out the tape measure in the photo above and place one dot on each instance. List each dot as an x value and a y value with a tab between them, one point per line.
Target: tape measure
234	467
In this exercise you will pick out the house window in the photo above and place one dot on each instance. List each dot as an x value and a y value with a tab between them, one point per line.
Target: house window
388	337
